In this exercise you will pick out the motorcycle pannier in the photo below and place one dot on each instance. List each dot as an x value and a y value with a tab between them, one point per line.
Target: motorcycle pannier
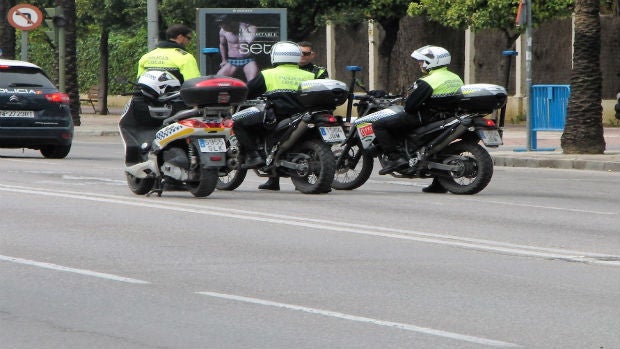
325	93
213	90
473	98
482	97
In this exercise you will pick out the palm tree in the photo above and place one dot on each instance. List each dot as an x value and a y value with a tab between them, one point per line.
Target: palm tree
583	132
71	73
7	33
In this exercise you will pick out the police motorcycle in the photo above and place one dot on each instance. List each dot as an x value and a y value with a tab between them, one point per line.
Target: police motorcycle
298	146
447	148
348	175
167	147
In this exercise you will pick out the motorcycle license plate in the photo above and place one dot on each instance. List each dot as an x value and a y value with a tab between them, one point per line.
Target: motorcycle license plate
490	137
332	133
212	145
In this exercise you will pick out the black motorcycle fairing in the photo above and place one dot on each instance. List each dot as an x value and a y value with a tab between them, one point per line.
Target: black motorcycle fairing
176	156
142	118
135	132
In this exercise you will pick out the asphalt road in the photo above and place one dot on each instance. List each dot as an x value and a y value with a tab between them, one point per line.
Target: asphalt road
532	261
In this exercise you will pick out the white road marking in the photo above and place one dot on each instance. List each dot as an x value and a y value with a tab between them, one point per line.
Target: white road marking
543	207
403	326
328	225
71	270
334	314
485	201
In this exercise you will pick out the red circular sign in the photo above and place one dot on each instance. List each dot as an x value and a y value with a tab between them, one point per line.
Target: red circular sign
25	17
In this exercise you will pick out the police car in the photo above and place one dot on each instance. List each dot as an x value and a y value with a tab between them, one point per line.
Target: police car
33	113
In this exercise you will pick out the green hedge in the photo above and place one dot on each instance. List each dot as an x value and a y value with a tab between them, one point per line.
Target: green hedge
124	50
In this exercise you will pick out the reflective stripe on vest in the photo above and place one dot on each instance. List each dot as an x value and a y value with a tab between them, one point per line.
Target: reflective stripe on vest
443	82
285	77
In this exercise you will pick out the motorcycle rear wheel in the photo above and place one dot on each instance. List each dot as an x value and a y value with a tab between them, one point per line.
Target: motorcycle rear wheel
476	168
321	167
355	167
206	185
139	186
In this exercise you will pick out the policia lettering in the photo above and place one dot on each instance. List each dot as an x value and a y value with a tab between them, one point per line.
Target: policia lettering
285	77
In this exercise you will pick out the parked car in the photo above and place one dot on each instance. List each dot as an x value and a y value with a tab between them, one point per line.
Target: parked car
33	113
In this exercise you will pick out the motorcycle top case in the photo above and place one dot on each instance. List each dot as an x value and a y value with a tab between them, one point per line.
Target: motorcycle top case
325	93
477	98
213	91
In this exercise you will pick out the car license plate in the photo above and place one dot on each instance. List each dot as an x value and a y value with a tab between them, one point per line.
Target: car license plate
16	114
490	137
332	134
212	145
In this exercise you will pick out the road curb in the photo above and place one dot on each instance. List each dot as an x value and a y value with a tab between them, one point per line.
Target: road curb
577	164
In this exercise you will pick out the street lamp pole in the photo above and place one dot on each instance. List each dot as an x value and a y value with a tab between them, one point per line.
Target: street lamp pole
528	73
152	24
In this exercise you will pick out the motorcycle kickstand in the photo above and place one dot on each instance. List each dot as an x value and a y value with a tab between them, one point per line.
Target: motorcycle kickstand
158	188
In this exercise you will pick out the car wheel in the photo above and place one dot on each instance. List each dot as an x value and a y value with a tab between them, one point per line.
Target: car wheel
55	151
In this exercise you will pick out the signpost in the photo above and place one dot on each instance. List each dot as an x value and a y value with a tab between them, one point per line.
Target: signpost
25	17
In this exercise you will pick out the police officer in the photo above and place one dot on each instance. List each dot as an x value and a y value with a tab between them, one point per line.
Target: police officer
170	55
279	85
305	63
307	56
438	81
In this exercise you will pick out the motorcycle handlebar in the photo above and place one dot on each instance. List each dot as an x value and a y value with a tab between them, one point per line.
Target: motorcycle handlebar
386	98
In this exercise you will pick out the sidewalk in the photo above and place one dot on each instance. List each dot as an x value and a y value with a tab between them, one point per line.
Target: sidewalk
515	138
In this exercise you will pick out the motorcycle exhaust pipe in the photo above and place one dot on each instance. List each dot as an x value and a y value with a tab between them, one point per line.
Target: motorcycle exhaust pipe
444	139
232	163
295	136
232	158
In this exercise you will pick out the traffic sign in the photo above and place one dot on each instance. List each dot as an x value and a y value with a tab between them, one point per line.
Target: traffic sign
25	17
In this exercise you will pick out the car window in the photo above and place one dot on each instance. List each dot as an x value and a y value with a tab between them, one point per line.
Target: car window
23	77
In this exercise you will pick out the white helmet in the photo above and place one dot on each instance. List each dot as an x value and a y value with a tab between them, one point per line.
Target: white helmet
433	56
155	83
285	52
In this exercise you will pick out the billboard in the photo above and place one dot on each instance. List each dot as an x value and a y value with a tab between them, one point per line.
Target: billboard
243	38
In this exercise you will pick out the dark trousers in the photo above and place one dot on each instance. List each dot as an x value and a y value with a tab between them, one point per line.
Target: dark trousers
247	129
390	129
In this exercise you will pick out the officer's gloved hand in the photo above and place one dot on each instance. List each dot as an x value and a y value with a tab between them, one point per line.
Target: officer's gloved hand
377	93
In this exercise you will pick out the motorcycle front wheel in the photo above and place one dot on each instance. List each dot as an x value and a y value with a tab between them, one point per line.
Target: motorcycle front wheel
231	180
139	186
475	168
206	185
318	167
354	167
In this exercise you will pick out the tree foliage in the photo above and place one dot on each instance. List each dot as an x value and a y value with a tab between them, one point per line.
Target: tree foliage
488	14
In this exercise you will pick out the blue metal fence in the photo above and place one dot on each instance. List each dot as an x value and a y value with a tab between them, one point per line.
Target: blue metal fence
548	109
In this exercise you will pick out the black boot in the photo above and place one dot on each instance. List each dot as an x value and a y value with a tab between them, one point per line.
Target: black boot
273	183
395	161
435	187
252	160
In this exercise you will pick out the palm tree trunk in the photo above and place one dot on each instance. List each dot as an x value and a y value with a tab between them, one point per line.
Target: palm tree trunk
104	57
71	71
583	132
7	33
